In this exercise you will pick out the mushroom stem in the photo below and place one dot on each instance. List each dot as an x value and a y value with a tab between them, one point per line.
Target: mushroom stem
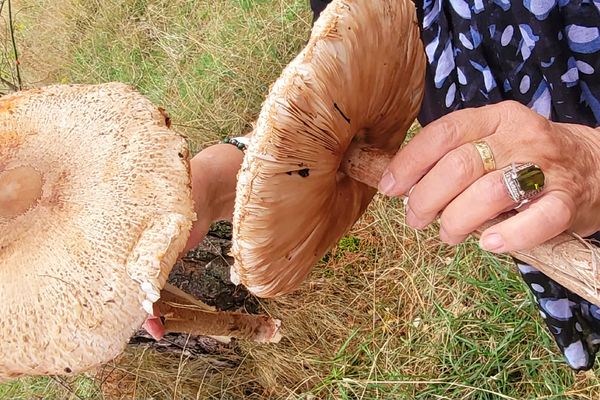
20	190
182	316
568	259
365	164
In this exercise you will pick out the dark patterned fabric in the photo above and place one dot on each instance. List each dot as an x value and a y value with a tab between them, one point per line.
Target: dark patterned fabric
544	54
317	7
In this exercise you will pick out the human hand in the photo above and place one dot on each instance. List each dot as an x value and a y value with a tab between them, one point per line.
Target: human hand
447	177
214	176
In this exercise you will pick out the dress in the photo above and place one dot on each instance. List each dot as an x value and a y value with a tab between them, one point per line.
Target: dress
545	54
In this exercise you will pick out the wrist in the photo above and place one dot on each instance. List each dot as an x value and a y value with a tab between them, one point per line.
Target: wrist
214	177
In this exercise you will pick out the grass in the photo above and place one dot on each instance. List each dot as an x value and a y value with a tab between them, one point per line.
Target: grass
389	313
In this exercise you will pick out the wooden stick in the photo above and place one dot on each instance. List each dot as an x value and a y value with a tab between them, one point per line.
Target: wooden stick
567	259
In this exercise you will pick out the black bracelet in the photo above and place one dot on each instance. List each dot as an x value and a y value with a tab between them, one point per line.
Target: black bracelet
237	142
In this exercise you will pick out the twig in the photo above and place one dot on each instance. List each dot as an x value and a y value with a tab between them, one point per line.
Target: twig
14	44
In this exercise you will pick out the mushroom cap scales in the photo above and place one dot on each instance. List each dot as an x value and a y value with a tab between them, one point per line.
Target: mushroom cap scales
358	81
84	261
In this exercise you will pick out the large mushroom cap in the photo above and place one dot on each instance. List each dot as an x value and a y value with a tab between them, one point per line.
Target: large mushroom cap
358	81
95	206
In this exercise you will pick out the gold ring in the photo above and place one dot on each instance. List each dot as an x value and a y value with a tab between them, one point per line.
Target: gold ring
485	152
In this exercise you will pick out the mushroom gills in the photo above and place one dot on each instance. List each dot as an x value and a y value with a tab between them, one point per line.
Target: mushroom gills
363	63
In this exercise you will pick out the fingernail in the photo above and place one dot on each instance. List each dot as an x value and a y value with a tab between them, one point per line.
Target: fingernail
492	242
387	183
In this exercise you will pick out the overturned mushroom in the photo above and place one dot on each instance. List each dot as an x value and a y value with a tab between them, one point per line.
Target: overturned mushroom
325	133
358	82
95	207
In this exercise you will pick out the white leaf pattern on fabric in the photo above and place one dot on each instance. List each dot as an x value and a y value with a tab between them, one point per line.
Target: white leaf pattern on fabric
571	77
465	42
504	4
576	355
445	65
559	309
488	78
507	35
431	48
526	268
525	84
462	8
528	42
478	6
433	14
583	39
540	8
451	95
537	288
584	67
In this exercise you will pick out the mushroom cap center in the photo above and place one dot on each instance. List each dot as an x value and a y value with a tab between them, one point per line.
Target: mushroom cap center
20	190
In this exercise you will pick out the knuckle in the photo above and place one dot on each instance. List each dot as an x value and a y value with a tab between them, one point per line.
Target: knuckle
557	211
513	110
460	162
552	214
512	105
516	111
543	125
449	125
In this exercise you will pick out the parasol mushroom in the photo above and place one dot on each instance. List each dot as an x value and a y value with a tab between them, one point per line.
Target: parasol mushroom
325	134
358	82
95	207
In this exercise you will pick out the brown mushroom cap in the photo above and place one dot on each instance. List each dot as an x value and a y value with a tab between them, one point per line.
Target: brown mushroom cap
358	81
95	206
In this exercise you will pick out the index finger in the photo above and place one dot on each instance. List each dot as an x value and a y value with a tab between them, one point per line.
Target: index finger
433	142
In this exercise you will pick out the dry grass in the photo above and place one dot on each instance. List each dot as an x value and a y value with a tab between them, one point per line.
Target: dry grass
390	313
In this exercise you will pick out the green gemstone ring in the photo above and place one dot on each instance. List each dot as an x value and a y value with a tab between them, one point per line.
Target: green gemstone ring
523	182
